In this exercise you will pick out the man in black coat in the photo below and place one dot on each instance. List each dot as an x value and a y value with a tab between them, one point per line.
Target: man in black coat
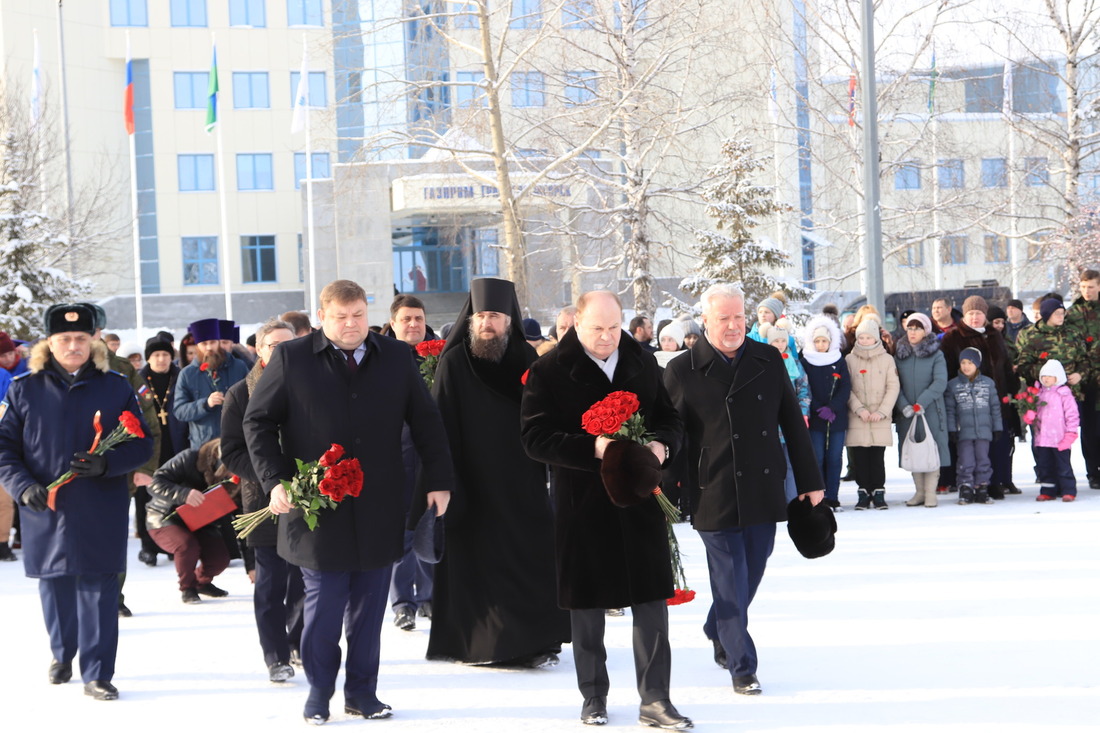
494	599
345	385
608	556
734	395
277	594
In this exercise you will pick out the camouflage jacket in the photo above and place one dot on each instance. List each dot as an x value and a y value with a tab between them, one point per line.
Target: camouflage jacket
1083	321
1042	342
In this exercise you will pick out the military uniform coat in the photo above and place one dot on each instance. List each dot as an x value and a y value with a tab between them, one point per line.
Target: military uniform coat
45	421
607	556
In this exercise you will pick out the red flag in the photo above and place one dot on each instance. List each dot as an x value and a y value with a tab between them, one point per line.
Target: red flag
128	94
852	99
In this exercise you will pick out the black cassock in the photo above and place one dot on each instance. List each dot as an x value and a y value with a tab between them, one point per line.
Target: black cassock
495	597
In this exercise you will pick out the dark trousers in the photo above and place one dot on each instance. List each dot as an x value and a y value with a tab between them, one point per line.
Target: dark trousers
736	559
973	467
412	579
1000	456
829	452
652	652
141	498
868	466
81	614
1055	473
278	598
1090	440
200	556
356	602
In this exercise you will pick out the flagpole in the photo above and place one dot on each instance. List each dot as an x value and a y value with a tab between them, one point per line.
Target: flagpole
310	231
1013	180
937	255
139	318
65	136
224	213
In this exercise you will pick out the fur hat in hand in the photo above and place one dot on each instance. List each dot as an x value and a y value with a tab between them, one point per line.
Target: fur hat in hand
630	472
812	528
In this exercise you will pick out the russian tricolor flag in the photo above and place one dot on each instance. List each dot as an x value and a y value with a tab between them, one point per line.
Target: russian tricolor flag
128	94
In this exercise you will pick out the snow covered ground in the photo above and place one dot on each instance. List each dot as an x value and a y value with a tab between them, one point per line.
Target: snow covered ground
976	618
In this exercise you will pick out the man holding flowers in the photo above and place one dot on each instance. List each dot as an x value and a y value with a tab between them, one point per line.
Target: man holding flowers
50	422
345	385
608	555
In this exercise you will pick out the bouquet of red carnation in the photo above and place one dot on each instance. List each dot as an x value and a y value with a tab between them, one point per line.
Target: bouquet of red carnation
629	469
1026	403
128	428
320	484
430	351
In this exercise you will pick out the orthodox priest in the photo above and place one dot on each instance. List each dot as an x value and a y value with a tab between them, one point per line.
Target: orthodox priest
494	599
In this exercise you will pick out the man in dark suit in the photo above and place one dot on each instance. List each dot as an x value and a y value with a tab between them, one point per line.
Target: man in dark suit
345	385
607	556
734	395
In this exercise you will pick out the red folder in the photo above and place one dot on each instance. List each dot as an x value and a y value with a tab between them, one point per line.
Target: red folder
216	506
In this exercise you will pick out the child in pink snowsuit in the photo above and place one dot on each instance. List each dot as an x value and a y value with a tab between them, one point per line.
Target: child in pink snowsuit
1056	428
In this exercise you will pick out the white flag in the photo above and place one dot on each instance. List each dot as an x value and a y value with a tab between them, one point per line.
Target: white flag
301	97
36	85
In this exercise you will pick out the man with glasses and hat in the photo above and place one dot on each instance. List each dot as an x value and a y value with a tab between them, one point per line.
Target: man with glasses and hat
77	548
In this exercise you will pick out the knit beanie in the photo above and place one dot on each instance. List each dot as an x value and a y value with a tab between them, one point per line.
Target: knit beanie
869	326
153	346
1048	307
773	304
821	332
995	312
924	321
972	355
777	332
1054	368
690	326
1016	303
6	344
975	303
673	330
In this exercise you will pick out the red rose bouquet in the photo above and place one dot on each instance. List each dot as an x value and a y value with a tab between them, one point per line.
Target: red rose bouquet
429	351
617	417
320	484
1026	403
128	428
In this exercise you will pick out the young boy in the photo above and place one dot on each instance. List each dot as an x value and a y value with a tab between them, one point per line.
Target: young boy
973	421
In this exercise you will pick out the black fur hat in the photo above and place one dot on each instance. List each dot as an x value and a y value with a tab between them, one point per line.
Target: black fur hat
69	317
812	528
630	472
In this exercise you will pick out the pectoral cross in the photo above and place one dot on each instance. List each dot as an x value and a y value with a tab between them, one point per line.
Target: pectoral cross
163	416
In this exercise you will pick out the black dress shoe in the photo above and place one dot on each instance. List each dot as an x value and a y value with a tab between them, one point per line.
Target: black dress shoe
149	558
123	611
594	711
209	589
663	714
101	690
370	711
720	656
747	685
1094	483
191	596
405	618
316	719
60	672
280	672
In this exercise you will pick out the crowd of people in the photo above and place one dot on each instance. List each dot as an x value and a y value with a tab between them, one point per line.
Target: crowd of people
548	528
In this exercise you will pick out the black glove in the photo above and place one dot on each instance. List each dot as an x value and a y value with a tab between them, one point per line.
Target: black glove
88	465
997	435
35	498
953	437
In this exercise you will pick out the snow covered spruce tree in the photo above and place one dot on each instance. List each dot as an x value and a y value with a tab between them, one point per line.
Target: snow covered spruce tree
31	242
739	205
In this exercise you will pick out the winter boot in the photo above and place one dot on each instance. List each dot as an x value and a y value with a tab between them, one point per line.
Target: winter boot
981	494
930	498
918	497
1010	488
996	491
966	494
879	499
864	500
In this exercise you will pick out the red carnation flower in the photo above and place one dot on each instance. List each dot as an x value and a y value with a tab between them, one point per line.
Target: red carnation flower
1088	339
130	423
916	408
203	367
332	455
836	375
1044	355
523	379
681	597
786	355
862	371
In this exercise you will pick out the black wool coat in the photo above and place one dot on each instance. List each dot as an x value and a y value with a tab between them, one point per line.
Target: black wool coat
236	458
307	400
607	557
731	420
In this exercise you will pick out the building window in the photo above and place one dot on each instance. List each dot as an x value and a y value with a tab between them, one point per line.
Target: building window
531	152
528	89
468	93
577	14
191	89
254	172
320	168
188	13
994	173
318	93
907	176
196	172
304	12
200	260
467	18
247	13
954	249
1036	90
996	248
912	255
951	173
526	14
1036	172
983	89
258	259
580	87
250	90
488	262
133	13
